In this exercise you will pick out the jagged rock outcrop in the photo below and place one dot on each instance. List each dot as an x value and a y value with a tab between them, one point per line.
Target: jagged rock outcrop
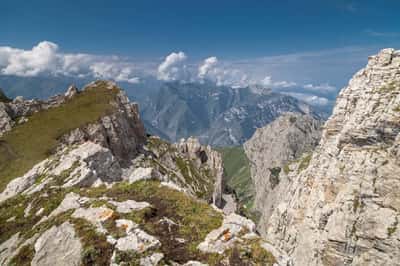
188	166
152	260
104	194
217	115
205	155
83	166
236	230
121	131
269	151
344	208
6	121
119	221
71	92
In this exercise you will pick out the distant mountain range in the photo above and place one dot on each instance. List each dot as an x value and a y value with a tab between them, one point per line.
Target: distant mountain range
217	115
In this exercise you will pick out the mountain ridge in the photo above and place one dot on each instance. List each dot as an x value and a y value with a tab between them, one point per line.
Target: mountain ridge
219	116
108	194
107	186
343	207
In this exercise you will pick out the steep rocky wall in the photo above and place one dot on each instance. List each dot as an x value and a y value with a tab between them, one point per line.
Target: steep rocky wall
82	206
121	131
269	151
194	168
205	155
344	208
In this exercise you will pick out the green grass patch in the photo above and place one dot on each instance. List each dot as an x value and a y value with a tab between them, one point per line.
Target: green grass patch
356	203
390	87
274	176
304	162
237	173
250	252
157	144
199	178
49	201
111	226
33	141
12	212
260	256
127	258
40	179
195	218
391	230
96	249
286	169
183	166
96	203
292	119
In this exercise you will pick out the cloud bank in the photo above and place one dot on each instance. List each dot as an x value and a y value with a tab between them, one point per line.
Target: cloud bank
173	67
310	76
46	59
207	67
310	99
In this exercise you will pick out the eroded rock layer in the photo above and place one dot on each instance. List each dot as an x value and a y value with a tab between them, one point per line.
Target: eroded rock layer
270	150
105	194
344	208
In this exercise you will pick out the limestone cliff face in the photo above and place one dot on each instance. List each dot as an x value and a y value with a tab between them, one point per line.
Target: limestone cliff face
121	131
218	115
107	195
270	150
344	208
193	168
205	155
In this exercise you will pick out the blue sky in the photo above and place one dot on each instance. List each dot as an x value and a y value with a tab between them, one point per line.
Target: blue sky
230	29
297	42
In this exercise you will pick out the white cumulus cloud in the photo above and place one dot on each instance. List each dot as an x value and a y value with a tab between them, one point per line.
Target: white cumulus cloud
173	67
223	75
207	66
288	71
310	99
42	58
46	59
323	88
118	72
268	82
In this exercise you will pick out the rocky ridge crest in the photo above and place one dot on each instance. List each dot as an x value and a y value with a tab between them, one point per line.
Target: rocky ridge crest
109	195
217	115
343	209
14	111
